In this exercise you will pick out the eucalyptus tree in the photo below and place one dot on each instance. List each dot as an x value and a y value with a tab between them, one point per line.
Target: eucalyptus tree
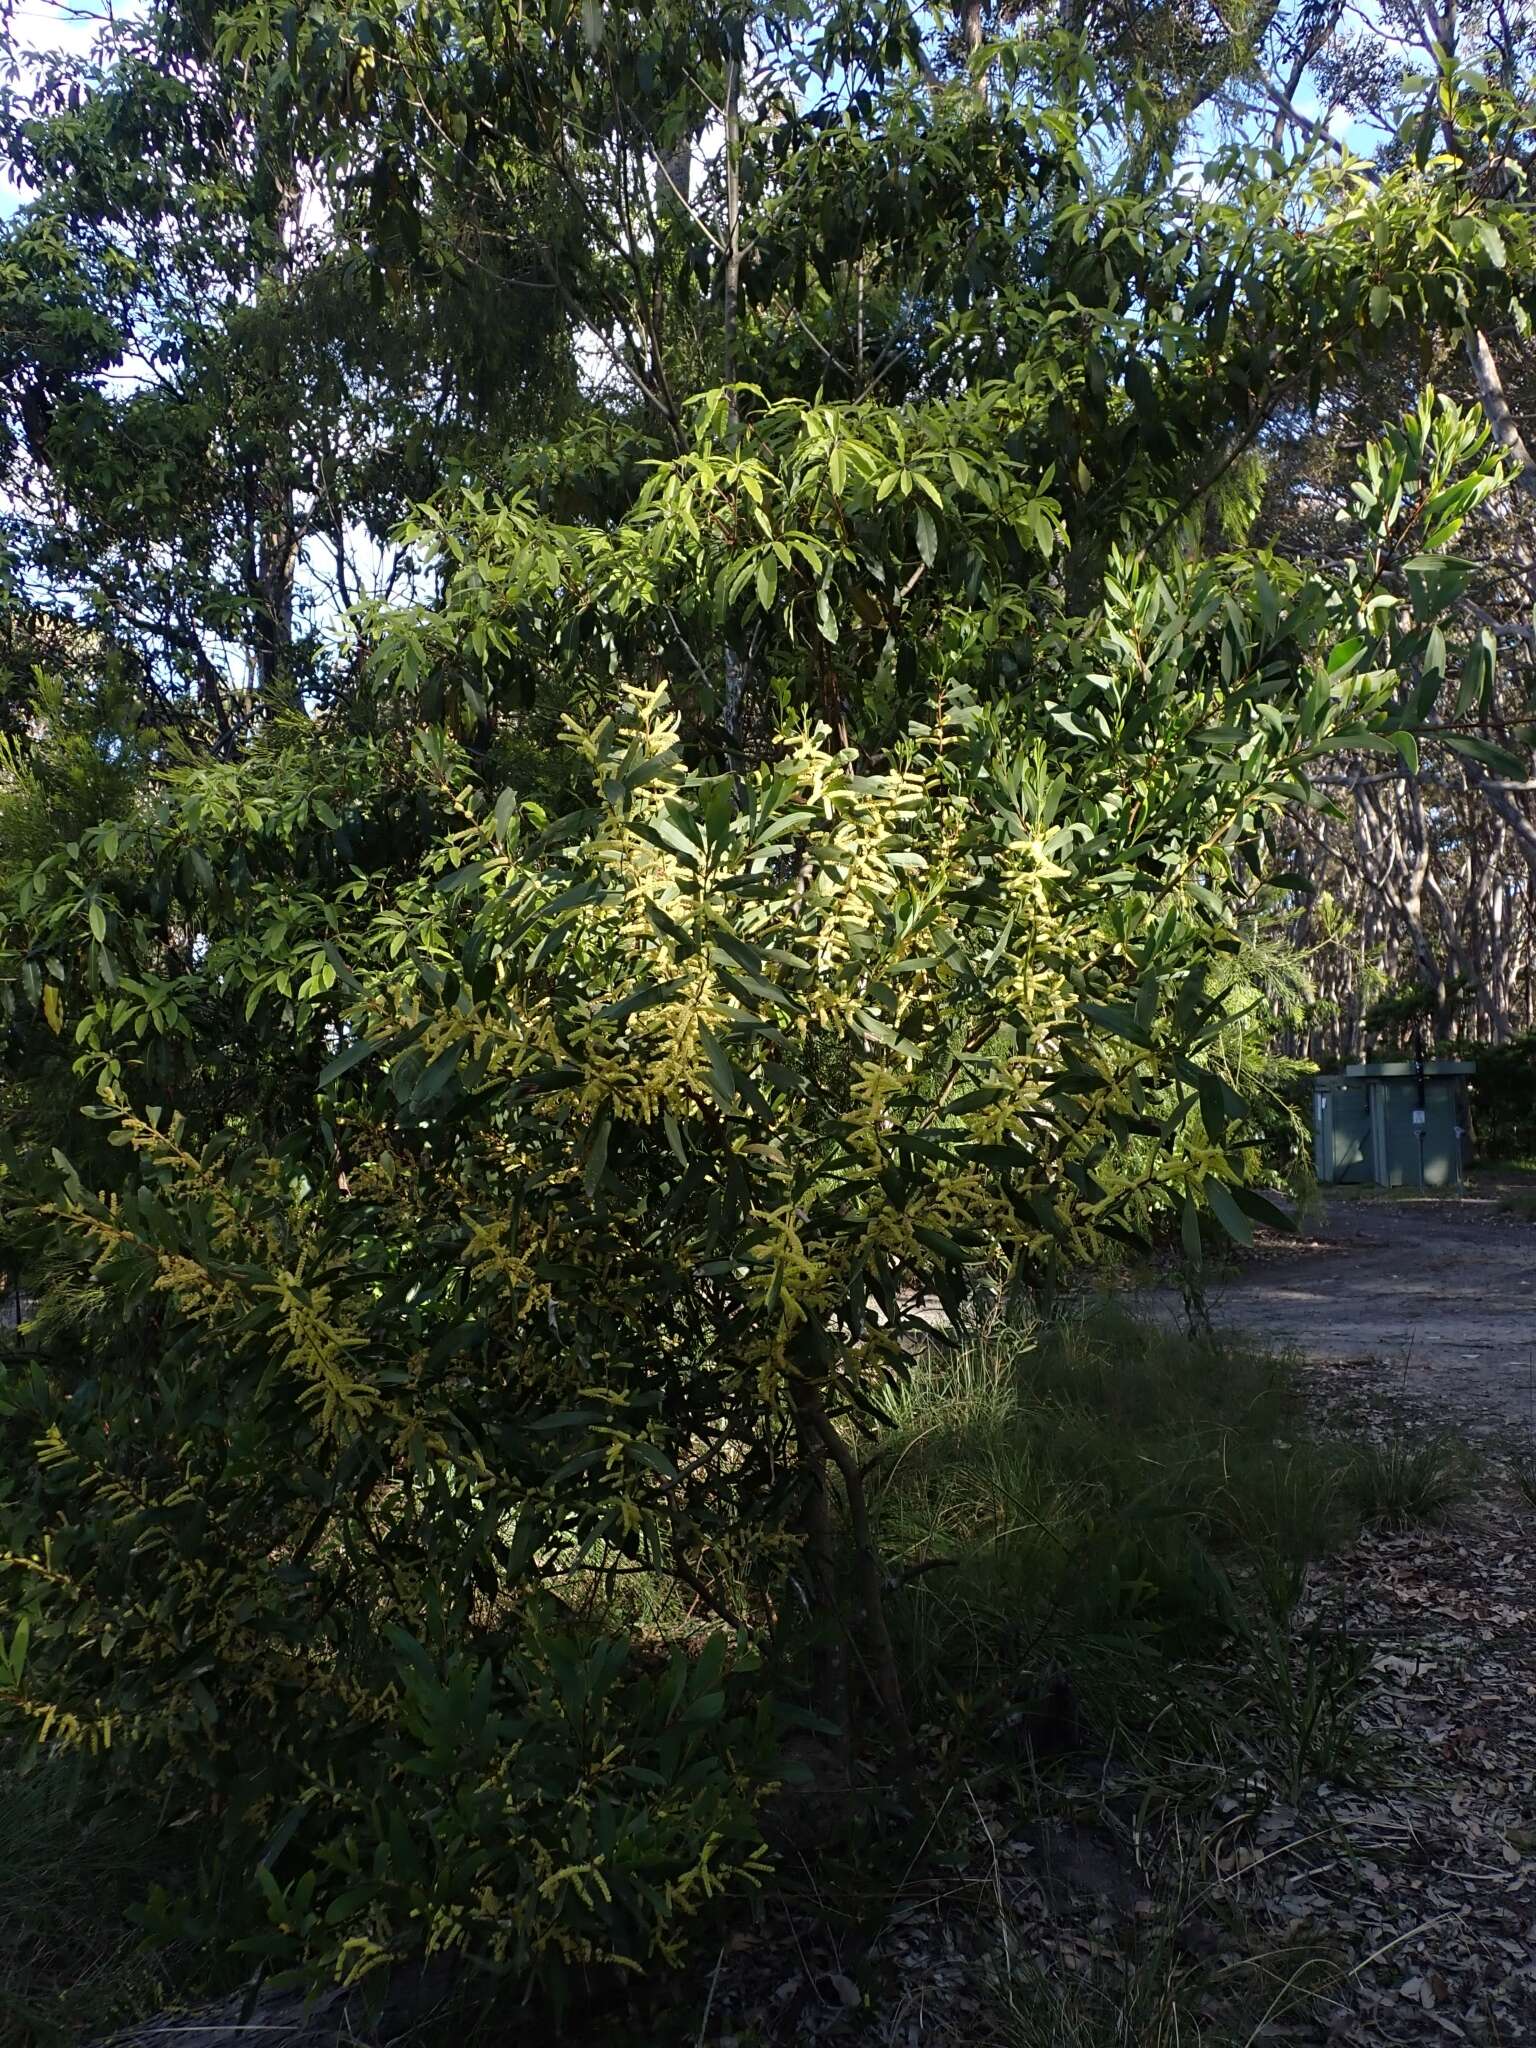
214	412
816	210
1427	878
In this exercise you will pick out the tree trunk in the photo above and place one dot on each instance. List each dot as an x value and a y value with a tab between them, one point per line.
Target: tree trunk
869	1630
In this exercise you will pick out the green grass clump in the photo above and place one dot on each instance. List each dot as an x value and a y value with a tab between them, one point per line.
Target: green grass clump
1186	1977
1155	1997
1406	1481
73	1963
1094	1494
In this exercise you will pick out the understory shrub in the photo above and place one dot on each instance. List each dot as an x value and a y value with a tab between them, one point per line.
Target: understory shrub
473	1247
1504	1097
445	1221
634	1147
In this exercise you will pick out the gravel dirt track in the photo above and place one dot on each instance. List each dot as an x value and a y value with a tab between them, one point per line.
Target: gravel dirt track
1441	1290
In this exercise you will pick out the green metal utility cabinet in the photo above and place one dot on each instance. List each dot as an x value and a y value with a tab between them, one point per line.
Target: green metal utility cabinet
1341	1128
1392	1124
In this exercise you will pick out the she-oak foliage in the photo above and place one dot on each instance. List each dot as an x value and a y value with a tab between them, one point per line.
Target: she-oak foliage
448	1216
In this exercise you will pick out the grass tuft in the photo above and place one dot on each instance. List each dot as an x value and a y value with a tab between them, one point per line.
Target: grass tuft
72	1962
1407	1482
1069	1506
1158	1991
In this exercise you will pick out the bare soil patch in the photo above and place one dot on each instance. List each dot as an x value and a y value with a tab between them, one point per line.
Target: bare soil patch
1443	1290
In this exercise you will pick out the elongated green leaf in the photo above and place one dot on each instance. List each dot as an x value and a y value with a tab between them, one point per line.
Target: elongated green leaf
1500	761
350	1056
596	1162
1224	1208
1119	1019
1189	1231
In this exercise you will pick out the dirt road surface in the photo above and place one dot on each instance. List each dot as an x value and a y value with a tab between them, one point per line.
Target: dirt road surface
1443	1291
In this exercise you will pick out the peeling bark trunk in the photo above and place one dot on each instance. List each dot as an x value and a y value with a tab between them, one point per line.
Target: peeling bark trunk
1495	403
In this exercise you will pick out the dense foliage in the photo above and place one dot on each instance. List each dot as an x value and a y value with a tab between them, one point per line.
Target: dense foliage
1504	1098
490	1091
1421	885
